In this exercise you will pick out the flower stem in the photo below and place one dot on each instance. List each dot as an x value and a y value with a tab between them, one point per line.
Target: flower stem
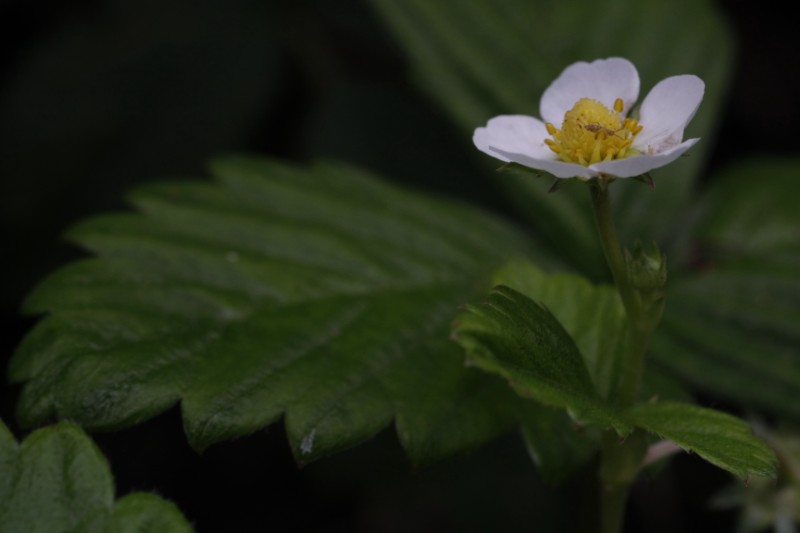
619	466
620	461
612	511
639	326
611	248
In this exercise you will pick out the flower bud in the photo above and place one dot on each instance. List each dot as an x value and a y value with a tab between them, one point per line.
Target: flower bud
647	270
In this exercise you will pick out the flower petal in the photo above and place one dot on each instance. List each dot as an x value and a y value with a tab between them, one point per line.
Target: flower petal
557	168
512	133
666	111
520	139
604	80
640	164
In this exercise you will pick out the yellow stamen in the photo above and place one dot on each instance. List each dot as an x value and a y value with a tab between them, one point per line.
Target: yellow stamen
553	146
591	132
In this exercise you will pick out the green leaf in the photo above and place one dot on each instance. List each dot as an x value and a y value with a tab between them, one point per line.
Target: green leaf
57	480
321	295
595	319
731	325
721	439
520	340
489	57
592	315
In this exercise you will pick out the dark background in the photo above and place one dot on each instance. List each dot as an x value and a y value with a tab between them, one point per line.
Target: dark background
99	95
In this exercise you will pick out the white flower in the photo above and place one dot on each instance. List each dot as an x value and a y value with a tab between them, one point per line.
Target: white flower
586	130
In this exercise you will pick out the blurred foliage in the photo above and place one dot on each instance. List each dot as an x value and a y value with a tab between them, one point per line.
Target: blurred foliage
731	323
97	95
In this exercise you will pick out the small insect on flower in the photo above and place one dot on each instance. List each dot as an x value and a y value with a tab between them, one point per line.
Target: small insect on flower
591	103
595	128
598	129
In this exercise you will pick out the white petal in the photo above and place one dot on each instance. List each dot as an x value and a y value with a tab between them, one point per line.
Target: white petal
666	111
512	133
557	168
639	164
604	80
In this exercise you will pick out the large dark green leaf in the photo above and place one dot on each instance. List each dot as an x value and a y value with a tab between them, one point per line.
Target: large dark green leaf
733	325
320	295
489	57
719	438
58	481
520	340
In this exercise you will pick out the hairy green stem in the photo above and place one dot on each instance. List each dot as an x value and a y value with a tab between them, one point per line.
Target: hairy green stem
633	366
639	326
620	461
616	261
620	464
613	501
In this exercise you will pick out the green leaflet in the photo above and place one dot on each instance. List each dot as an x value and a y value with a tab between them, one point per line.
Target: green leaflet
592	315
731	326
595	319
490	57
519	339
58	481
321	294
719	438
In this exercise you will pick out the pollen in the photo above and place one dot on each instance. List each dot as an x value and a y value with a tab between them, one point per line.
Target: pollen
591	133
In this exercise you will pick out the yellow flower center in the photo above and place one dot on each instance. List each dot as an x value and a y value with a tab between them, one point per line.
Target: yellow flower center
591	133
